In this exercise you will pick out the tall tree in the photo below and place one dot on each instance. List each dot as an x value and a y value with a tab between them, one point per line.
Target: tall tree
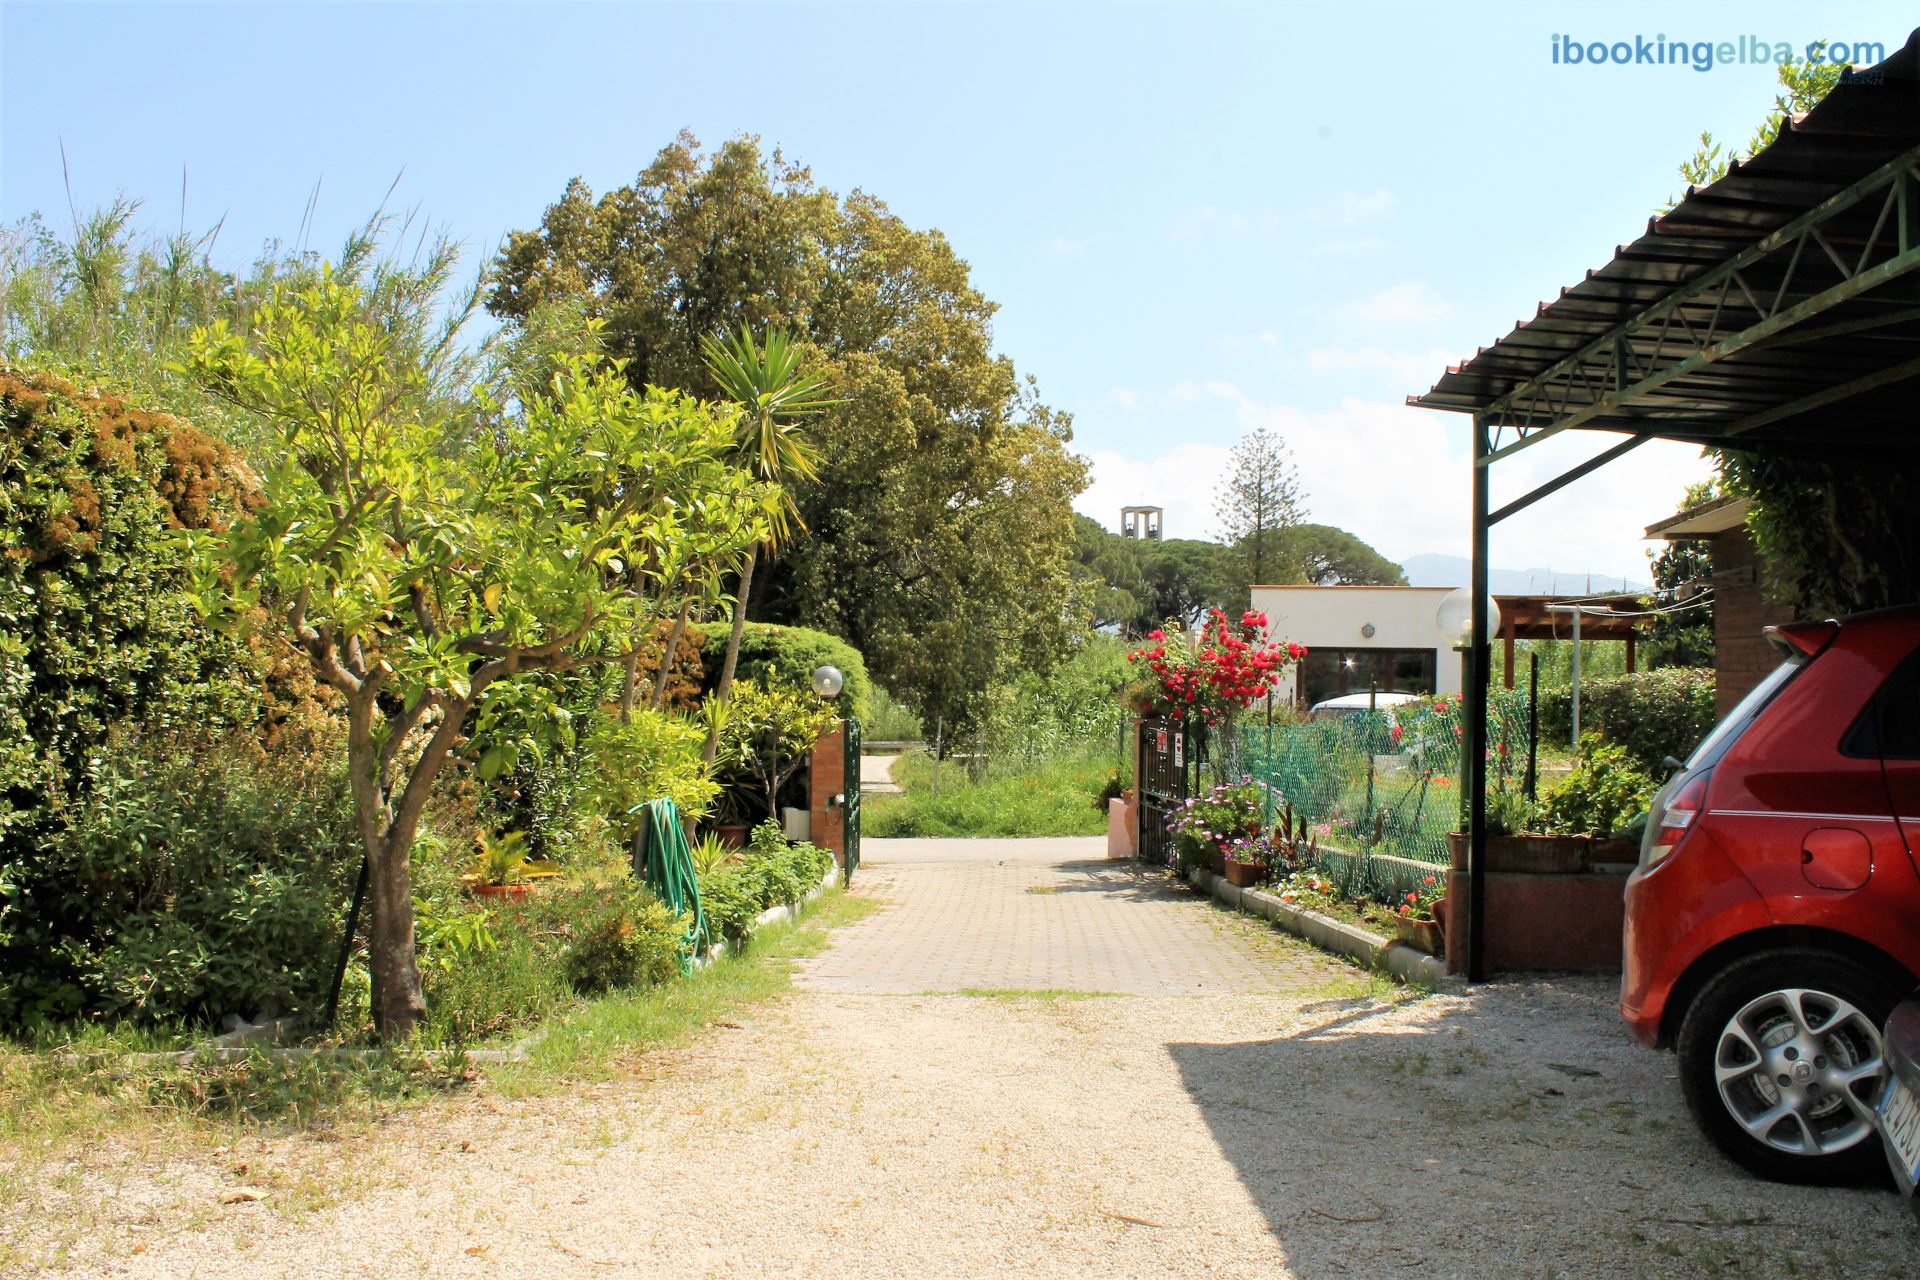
416	576
1261	498
941	521
772	389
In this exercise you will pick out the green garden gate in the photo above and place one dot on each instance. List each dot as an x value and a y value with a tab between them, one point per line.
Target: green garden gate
850	812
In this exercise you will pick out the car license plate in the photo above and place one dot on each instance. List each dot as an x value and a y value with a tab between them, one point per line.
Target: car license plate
1900	1122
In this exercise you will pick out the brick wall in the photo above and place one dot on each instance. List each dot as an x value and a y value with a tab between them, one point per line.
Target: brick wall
1740	612
829	779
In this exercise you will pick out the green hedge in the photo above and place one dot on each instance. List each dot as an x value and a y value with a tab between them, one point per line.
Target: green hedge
767	873
1652	714
788	655
97	630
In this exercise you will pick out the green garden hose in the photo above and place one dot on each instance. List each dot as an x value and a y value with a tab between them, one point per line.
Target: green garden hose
669	873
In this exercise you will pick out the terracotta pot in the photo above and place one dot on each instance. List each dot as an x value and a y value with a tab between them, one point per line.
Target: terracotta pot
732	834
1422	935
1243	875
502	892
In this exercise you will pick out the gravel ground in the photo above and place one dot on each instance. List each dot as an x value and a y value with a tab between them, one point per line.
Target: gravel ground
1333	1129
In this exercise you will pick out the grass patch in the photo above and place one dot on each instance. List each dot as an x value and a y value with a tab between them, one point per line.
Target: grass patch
62	1103
591	1040
1046	798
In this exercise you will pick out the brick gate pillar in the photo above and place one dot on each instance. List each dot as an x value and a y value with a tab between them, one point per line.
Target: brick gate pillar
828	774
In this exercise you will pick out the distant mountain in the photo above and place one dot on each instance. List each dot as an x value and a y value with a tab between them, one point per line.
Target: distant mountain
1432	570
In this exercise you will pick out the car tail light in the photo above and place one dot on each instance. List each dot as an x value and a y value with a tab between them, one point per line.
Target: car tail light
1673	817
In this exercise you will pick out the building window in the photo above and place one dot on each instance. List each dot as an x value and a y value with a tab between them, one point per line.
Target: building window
1334	673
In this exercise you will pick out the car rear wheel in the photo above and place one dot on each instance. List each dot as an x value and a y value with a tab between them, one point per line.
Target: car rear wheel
1780	1063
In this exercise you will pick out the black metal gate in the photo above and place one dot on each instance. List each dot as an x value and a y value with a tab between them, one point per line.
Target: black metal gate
850	784
1169	763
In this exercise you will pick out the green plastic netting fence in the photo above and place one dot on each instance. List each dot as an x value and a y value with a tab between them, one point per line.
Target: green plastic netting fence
1380	790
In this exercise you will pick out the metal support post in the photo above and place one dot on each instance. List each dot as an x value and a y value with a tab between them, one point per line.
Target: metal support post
1479	655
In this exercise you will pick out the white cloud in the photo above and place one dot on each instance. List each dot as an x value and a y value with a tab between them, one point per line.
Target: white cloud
1409	303
1400	479
1065	247
1125	397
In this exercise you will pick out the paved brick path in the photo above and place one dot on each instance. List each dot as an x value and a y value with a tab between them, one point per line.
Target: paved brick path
1045	914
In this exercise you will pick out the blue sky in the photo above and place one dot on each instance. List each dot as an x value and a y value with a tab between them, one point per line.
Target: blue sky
1195	219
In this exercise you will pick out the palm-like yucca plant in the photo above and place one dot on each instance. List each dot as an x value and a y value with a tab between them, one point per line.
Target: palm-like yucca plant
773	389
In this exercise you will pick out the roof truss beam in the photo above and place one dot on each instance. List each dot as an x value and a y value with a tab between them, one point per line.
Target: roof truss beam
1612	372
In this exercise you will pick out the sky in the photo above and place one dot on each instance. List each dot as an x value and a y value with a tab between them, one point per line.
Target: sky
1196	219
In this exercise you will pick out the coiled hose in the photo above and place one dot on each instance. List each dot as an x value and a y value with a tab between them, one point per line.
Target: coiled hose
662	857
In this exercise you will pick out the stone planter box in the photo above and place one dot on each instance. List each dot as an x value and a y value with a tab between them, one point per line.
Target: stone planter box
1528	853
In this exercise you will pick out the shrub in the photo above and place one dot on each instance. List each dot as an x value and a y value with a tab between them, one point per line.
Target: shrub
491	969
622	939
787	656
1605	792
197	878
97	626
654	755
1079	703
768	872
1652	714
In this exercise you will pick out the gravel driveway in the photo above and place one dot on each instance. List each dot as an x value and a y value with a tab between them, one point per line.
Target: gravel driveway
1311	1123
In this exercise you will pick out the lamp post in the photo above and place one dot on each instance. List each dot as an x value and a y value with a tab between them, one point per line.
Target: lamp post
828	682
1455	621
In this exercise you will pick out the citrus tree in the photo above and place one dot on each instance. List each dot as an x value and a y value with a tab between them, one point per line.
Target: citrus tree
422	545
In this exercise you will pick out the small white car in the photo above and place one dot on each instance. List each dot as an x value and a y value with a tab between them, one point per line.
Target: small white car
1353	704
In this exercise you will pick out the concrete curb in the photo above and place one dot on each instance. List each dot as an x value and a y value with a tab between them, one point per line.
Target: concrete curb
1337	936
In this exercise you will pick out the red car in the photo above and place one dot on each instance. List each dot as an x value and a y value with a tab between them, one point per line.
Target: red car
1774	919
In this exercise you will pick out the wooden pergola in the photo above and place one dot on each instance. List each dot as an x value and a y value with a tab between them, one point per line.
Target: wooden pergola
1607	617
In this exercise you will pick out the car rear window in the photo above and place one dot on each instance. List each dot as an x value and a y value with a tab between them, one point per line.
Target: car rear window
1715	744
1889	727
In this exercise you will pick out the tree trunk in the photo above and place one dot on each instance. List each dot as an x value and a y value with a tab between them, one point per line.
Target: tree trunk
399	1003
670	653
725	687
629	687
398	999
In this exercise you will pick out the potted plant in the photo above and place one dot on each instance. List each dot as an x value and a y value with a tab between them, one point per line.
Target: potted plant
1209	824
502	869
1417	918
1521	837
1247	862
768	733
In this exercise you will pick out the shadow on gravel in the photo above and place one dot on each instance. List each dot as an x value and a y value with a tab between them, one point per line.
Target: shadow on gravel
1515	1132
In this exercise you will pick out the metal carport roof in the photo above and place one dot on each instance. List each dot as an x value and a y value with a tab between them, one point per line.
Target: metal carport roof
1775	310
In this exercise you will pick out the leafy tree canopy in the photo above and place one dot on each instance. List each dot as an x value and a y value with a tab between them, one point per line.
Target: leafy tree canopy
1325	556
940	521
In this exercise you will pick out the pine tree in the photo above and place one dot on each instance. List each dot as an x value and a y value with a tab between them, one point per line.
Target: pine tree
1261	498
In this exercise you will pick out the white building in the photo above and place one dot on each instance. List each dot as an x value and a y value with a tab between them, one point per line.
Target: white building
1359	638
